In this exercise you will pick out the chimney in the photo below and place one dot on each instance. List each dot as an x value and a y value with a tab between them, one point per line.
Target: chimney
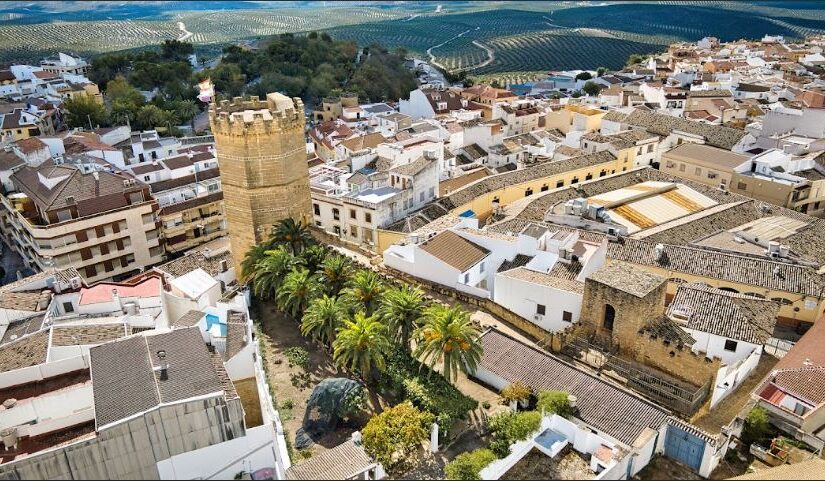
116	299
164	366
224	265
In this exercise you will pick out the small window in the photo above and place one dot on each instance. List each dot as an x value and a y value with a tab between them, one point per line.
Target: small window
481	267
800	409
589	176
730	345
367	217
68	307
421	197
317	209
698	171
741	186
681	167
609	317
541	309
467	278
650	148
335	214
575	180
679	141
567	316
560	184
352	214
528	192
545	188
432	192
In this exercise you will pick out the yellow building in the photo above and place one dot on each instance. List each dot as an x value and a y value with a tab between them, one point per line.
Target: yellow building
264	175
574	117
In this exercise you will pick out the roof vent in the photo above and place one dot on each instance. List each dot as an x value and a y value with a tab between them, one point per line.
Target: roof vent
659	252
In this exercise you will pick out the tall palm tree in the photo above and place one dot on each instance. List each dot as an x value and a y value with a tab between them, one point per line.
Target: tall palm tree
448	336
294	234
364	290
323	317
314	256
250	261
187	109
401	308
335	273
361	344
298	289
271	270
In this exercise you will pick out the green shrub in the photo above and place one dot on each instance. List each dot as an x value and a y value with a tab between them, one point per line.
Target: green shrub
469	465
486	404
297	356
510	427
426	389
517	391
757	428
353	403
554	402
394	435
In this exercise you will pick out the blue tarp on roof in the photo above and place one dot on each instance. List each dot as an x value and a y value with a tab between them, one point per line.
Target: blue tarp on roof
366	170
467	213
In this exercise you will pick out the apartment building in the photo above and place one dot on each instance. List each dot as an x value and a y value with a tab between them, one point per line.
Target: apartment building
64	64
102	223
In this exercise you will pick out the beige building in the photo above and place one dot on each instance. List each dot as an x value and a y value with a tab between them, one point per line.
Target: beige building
332	108
264	175
100	223
795	182
574	117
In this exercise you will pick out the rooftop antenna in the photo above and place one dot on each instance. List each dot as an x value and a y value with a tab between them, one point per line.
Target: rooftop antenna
164	365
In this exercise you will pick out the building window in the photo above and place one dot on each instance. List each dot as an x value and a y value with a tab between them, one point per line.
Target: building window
650	148
541	309
545	188
467	278
741	186
432	192
481	267
317	209
679	141
567	316
528	192
589	176
335	214
602	173
698	171
681	167
560	184
800	409
352	214
609	317
367	217
730	345
575	180
421	197
68	307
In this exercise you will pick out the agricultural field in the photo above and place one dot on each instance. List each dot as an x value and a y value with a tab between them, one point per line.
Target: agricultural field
480	38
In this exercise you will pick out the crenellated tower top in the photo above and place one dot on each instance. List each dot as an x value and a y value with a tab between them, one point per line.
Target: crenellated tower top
242	117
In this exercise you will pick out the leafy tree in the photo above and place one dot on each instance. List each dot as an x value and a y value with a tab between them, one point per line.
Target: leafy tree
401	308
82	109
757	428
591	88
554	402
361	344
601	71
293	234
298	289
334	273
364	290
495	84
353	403
635	59
584	76
120	90
150	116
511	427
469	465
270	272
175	50
394	435
323	317
448	336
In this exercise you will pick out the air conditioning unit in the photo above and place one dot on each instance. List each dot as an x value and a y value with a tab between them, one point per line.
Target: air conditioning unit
723	187
76	282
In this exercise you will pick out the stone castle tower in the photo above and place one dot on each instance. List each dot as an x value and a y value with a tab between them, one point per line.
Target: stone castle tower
264	175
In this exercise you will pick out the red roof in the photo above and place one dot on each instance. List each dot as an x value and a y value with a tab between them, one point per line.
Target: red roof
30	145
102	292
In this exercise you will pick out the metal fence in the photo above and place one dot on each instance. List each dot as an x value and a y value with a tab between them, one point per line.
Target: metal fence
679	396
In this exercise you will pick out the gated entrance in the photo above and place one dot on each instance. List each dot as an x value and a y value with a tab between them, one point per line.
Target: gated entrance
684	447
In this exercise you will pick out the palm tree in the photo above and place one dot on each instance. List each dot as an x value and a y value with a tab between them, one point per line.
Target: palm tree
252	257
323	317
298	289
187	109
335	273
314	256
270	272
448	336
401	308
365	290
361	344
295	234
